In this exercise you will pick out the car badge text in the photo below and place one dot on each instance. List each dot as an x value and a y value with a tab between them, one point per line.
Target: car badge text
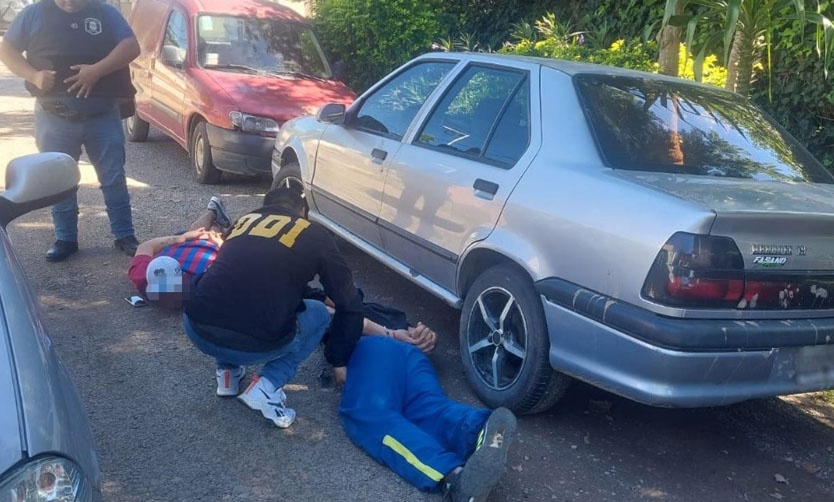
779	249
770	261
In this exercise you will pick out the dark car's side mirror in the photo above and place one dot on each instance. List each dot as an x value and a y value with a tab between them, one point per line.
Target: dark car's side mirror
331	113
172	56
35	181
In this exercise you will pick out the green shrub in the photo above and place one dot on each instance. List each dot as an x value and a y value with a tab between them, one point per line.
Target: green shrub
372	37
552	39
795	90
713	73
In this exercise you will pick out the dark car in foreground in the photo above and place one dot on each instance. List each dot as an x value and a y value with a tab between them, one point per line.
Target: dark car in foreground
46	444
658	238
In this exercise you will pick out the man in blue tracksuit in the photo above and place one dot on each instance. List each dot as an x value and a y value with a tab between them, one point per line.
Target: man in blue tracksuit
76	65
394	408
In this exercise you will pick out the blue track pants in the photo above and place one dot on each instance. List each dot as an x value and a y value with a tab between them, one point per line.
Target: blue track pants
393	408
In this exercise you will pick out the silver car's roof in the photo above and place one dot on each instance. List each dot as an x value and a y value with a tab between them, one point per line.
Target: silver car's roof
567	67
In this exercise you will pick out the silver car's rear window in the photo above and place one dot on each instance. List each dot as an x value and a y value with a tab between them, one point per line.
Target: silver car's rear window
661	126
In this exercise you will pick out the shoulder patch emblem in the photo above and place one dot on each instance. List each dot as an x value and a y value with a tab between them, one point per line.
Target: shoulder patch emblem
92	26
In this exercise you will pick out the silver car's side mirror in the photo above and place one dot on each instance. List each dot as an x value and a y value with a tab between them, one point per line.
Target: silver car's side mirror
35	181
331	113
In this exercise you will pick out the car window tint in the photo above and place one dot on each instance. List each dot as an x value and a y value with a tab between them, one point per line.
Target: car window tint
512	134
671	127
467	116
176	33
390	110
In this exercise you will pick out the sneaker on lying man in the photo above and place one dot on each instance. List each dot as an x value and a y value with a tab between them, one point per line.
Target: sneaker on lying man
483	469
221	216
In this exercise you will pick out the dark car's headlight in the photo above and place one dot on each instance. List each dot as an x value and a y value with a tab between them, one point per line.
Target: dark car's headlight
46	478
253	123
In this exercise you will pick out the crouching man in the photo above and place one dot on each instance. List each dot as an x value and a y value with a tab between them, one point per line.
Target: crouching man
249	307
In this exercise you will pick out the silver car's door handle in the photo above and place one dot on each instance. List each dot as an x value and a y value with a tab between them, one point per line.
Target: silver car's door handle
485	189
378	155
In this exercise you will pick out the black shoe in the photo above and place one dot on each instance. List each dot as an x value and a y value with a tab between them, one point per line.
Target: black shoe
485	466
61	250
127	244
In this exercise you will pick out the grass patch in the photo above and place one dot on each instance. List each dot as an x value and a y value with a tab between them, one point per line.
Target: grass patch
828	396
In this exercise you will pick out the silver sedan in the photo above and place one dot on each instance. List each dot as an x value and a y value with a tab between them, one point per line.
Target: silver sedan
46	445
658	238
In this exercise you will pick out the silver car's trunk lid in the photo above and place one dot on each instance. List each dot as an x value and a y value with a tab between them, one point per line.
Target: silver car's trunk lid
793	221
725	195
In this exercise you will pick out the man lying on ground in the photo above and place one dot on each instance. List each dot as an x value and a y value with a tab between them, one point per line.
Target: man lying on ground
158	267
393	407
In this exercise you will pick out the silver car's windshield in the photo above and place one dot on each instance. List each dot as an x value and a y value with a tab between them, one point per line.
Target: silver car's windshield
668	127
263	46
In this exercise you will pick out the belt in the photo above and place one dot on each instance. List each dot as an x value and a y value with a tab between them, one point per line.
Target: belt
61	110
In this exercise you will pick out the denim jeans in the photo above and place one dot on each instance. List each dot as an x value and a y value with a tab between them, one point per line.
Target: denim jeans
104	141
279	365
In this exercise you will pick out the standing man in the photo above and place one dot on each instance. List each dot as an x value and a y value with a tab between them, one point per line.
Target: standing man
76	65
249	307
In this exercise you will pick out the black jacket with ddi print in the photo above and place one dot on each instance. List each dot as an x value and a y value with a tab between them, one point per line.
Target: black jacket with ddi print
257	282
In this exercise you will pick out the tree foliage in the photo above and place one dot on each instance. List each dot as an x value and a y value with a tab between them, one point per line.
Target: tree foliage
372	37
748	29
798	95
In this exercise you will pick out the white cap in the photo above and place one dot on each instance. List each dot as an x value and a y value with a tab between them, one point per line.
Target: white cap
164	275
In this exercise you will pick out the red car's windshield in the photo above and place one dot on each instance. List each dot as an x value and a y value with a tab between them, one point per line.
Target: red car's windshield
259	46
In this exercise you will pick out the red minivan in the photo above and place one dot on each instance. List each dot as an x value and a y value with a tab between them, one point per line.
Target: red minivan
220	77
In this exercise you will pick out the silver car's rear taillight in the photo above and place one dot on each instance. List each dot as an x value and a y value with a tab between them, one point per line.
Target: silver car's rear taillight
707	272
696	271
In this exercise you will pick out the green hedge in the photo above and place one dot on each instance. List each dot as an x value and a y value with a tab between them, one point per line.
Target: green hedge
372	37
796	92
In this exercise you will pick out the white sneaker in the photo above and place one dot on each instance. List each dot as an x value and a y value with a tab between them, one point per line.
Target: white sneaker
228	381
272	404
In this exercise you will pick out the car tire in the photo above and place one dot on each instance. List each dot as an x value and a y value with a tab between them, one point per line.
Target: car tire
136	129
504	343
200	151
291	171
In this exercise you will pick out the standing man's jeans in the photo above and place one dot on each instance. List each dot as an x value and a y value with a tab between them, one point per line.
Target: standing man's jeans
104	142
281	364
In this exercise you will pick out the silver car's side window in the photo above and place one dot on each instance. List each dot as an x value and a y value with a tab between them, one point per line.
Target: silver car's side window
484	115
390	110
512	133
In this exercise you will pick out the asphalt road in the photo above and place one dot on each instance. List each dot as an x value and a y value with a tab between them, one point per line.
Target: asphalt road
163	436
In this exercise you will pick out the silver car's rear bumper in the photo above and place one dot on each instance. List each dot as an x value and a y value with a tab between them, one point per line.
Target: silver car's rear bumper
585	345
